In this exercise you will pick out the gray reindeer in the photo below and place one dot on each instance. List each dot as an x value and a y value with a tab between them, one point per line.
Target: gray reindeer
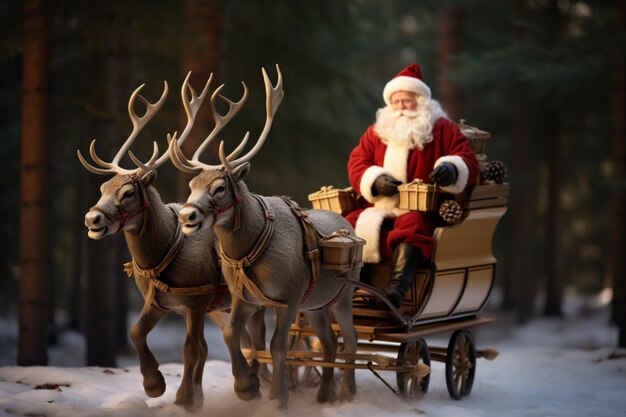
264	261
174	272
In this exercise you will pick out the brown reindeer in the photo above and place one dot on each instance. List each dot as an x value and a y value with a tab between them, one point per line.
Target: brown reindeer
174	272
264	261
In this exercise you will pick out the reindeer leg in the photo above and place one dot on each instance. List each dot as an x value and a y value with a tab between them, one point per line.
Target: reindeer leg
342	311
153	381
246	383
198	369
189	394
278	347
320	322
256	334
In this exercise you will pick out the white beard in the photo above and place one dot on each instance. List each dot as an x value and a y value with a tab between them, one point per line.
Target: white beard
408	129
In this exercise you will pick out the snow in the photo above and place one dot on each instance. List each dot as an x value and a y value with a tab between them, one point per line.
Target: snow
557	368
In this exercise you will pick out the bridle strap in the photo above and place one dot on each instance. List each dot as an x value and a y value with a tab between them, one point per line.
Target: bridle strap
125	217
233	203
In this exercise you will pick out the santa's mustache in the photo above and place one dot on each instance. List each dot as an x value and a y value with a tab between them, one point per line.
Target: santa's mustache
407	113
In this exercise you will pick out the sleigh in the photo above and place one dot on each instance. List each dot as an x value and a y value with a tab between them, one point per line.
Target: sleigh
448	294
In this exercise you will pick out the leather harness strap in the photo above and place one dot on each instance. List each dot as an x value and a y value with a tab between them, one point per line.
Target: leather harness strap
241	279
312	253
152	274
311	239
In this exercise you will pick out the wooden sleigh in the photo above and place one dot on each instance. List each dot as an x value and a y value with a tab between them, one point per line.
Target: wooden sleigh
447	295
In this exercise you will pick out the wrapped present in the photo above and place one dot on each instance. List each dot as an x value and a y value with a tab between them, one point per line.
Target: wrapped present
418	196
477	138
341	201
341	251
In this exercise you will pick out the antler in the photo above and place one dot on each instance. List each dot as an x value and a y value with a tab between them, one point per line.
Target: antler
139	122
191	105
194	165
274	96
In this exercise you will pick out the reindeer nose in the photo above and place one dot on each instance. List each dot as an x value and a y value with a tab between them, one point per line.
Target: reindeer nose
188	215
93	218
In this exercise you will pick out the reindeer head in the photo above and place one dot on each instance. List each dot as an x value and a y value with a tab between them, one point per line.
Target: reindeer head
215	191
124	198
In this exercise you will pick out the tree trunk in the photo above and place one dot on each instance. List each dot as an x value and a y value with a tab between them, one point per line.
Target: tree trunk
450	42
103	270
618	204
554	248
201	53
519	280
119	67
34	226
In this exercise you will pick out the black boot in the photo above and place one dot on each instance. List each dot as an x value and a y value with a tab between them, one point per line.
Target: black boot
406	259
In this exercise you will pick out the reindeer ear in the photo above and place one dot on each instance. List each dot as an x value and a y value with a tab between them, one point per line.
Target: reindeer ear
240	172
149	177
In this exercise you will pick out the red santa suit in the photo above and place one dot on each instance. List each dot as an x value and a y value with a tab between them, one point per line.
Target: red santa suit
372	158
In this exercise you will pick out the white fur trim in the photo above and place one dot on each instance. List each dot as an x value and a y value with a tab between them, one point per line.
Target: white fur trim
368	227
462	171
395	162
404	83
367	181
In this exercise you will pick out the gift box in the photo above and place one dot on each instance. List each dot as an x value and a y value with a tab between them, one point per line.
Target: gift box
477	138
418	196
341	201
341	251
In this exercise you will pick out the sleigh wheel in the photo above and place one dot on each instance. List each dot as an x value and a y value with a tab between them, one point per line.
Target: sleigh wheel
411	384
307	376
460	364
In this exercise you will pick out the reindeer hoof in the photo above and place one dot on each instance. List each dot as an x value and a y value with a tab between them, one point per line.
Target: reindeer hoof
347	394
326	394
156	387
191	402
247	389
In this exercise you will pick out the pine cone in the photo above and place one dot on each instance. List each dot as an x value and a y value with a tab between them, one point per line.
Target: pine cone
450	211
496	171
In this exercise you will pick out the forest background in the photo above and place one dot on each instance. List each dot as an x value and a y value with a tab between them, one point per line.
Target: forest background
547	79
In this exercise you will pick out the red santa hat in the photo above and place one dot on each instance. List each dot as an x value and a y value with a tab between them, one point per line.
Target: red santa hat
409	79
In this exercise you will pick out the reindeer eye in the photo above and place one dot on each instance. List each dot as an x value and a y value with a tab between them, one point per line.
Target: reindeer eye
219	190
128	194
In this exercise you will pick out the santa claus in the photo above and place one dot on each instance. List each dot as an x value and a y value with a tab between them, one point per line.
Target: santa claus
411	139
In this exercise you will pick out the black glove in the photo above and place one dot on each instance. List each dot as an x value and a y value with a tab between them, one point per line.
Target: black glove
445	174
385	185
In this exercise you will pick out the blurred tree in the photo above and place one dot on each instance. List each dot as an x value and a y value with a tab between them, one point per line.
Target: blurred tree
35	204
507	70
553	136
450	43
201	46
104	266
618	201
520	280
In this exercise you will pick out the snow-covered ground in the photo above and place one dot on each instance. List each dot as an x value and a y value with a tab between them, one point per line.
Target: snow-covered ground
566	368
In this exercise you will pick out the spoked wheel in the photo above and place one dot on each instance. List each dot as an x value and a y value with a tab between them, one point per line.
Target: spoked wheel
460	364
307	376
410	383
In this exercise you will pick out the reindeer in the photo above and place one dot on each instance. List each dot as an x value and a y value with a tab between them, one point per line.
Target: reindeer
263	251
174	272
